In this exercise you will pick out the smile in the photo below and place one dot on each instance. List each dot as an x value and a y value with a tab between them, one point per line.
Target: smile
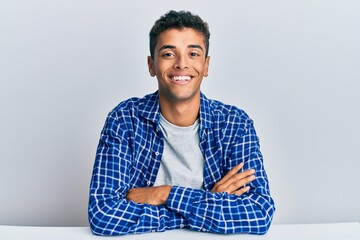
181	78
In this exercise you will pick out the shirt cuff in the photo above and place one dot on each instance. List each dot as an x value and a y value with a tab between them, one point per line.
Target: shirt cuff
181	199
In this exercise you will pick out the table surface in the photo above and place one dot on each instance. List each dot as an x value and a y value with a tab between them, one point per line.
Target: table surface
346	231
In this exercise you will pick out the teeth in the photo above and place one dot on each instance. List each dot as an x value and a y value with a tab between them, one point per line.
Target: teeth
181	78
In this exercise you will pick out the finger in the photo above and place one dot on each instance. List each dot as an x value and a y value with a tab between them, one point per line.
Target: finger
238	176
241	191
231	173
238	181
232	182
218	186
243	175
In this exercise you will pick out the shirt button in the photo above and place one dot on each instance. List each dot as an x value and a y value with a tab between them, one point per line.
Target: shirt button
204	229
181	225
148	183
153	230
157	153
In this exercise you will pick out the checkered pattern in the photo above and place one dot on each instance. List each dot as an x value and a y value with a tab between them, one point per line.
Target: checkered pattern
129	155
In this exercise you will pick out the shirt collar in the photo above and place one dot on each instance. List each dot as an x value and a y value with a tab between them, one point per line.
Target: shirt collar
149	109
205	113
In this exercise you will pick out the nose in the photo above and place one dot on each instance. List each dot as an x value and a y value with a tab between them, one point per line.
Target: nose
181	63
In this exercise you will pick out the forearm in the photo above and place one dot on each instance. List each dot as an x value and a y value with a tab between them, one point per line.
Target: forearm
111	216
151	195
222	212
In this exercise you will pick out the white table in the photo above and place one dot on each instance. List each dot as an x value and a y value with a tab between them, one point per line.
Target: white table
338	231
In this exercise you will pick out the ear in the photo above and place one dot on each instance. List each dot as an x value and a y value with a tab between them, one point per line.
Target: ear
151	67
206	68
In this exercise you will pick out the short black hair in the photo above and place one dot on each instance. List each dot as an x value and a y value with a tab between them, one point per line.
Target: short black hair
178	20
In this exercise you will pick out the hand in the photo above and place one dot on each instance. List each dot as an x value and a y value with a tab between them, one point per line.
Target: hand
233	182
151	195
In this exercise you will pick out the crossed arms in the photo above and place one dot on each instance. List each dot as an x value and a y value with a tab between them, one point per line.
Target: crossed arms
232	183
121	202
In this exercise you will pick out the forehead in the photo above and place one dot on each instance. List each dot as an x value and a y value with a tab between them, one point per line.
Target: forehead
179	37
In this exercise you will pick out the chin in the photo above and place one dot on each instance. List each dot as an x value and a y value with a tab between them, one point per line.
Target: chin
186	97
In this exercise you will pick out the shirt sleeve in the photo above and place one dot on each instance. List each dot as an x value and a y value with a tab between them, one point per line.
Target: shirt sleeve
251	212
110	213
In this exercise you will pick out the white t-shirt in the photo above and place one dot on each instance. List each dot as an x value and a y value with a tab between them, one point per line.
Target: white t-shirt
182	162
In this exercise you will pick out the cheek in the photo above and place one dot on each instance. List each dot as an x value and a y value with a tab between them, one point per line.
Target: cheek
163	68
158	66
200	68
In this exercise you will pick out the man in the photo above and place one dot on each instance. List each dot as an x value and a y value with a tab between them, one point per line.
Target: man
175	159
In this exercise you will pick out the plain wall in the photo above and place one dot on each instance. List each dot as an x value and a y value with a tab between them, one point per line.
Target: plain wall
293	66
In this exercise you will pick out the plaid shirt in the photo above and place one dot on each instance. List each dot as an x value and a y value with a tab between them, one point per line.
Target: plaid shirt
129	155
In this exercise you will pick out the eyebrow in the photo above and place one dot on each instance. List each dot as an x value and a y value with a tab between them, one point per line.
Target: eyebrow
166	47
172	47
196	46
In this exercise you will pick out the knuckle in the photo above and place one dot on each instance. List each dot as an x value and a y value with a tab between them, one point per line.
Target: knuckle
220	188
240	181
239	176
236	185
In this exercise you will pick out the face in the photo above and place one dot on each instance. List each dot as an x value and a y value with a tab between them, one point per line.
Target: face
179	65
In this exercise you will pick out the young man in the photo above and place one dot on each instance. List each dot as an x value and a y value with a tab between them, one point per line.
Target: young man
175	159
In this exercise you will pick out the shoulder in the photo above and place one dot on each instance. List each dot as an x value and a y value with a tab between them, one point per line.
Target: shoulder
229	121
227	114
132	113
134	105
225	119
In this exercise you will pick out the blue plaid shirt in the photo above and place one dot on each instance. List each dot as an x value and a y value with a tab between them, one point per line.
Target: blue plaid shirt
129	155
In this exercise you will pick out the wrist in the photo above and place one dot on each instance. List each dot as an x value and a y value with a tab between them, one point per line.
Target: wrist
164	193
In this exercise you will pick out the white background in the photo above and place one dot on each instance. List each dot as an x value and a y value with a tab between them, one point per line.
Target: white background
293	66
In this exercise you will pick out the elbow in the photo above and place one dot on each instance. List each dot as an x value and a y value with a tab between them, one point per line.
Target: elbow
265	222
95	224
263	229
95	229
99	224
261	222
94	218
257	226
104	223
100	227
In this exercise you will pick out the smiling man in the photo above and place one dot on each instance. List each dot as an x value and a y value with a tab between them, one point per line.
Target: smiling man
175	159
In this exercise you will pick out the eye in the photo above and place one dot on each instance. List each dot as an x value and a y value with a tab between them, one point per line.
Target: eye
194	54
168	54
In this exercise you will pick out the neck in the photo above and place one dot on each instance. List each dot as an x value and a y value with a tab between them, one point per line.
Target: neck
181	114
